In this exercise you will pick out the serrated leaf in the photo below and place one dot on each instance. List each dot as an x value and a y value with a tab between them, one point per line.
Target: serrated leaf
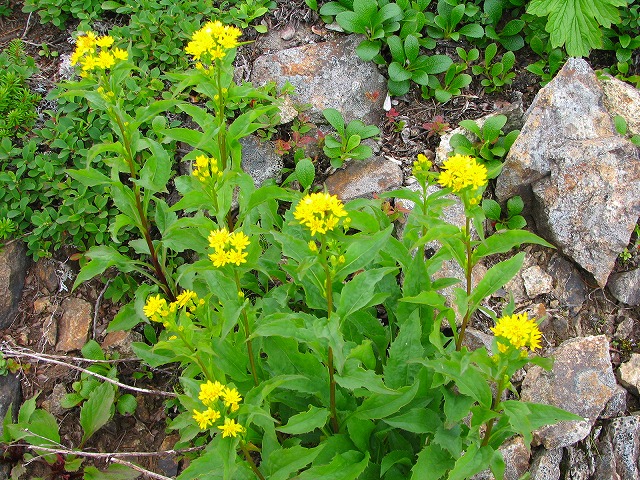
575	23
97	410
515	205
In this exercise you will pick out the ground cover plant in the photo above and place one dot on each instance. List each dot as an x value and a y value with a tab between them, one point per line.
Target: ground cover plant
308	335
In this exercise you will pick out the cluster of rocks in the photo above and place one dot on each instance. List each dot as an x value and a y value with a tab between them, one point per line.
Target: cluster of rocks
581	183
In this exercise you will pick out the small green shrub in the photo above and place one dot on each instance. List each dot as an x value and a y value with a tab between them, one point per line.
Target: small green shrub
17	101
58	12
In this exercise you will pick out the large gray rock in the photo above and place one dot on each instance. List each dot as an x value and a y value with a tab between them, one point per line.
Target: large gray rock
546	464
580	176
625	286
622	99
10	395
327	75
13	270
365	178
629	374
260	160
581	381
619	449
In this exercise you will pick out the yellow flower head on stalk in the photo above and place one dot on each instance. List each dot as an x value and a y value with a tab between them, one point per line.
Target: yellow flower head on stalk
185	298
228	247
462	171
155	308
421	166
231	398
519	330
206	418
212	41
230	428
205	167
210	392
319	212
96	53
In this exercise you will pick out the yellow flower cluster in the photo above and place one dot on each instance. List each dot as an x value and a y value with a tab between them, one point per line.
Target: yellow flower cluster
205	168
157	310
319	212
421	166
228	247
212	41
212	394
96	53
519	330
462	171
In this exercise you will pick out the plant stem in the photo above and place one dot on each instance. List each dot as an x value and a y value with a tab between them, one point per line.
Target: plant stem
222	140
145	227
494	404
468	270
245	322
248	458
329	293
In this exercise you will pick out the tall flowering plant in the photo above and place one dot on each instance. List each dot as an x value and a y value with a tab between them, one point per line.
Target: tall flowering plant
307	335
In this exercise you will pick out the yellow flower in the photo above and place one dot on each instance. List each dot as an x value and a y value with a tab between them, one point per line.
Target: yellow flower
185	297
319	212
421	166
210	392
155	307
230	428
120	54
206	418
313	246
94	53
231	398
519	331
462	171
218	238
212	41
105	41
228	247
205	168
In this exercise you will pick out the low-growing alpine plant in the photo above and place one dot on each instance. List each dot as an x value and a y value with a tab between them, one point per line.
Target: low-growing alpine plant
308	333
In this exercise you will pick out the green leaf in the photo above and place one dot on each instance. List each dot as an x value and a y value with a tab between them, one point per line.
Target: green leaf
515	205
92	351
127	404
491	209
576	23
368	49
473	461
472	30
516	222
384	405
495	278
399	371
344	466
416	420
305	172
411	47
504	241
334	117
113	472
397	73
156	172
286	461
432	464
97	410
306	422
362	252
359	292
437	64
621	124
90	177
